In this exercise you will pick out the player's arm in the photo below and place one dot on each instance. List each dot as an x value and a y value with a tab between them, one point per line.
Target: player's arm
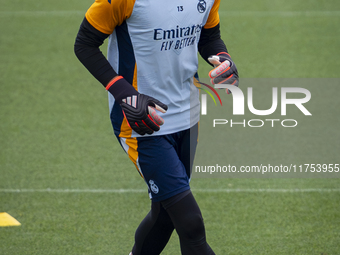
213	50
211	43
137	108
87	50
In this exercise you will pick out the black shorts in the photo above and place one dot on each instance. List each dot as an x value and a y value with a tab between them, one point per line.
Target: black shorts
164	161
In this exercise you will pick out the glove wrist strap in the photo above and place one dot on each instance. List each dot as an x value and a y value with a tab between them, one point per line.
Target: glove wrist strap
120	88
224	53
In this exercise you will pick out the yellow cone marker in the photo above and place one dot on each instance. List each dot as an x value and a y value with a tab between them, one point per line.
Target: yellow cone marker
7	220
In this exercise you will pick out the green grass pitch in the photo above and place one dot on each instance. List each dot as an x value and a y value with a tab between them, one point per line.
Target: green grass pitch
79	192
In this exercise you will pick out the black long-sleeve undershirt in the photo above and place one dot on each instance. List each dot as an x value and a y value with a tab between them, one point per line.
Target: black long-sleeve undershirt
210	43
87	50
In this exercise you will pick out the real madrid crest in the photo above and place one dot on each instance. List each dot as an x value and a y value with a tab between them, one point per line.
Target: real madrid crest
201	6
154	188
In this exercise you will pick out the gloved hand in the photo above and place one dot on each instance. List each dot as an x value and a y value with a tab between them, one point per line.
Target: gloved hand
138	109
140	112
225	71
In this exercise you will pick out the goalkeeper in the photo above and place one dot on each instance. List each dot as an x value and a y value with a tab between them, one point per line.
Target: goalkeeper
154	105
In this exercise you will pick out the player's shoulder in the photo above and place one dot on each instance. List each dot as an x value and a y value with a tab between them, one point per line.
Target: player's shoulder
119	3
116	5
105	15
214	18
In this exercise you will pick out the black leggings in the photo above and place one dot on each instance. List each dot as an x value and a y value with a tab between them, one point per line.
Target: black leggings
180	212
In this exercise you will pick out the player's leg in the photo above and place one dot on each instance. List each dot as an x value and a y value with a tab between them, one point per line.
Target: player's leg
185	212
154	231
164	164
188	221
157	162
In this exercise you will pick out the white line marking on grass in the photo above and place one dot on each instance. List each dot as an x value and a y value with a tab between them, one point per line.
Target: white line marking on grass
145	190
4	14
73	190
264	190
280	13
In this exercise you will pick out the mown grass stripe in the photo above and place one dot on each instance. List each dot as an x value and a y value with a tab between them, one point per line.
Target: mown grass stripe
280	13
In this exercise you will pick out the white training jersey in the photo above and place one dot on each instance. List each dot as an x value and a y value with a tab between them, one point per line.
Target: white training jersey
153	45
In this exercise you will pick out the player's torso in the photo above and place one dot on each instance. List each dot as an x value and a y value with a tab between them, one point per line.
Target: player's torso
160	40
167	25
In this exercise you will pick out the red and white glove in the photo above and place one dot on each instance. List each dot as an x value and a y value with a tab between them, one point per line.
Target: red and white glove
225	71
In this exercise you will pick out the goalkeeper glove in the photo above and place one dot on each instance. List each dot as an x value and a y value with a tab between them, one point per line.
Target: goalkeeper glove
138	109
225	71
